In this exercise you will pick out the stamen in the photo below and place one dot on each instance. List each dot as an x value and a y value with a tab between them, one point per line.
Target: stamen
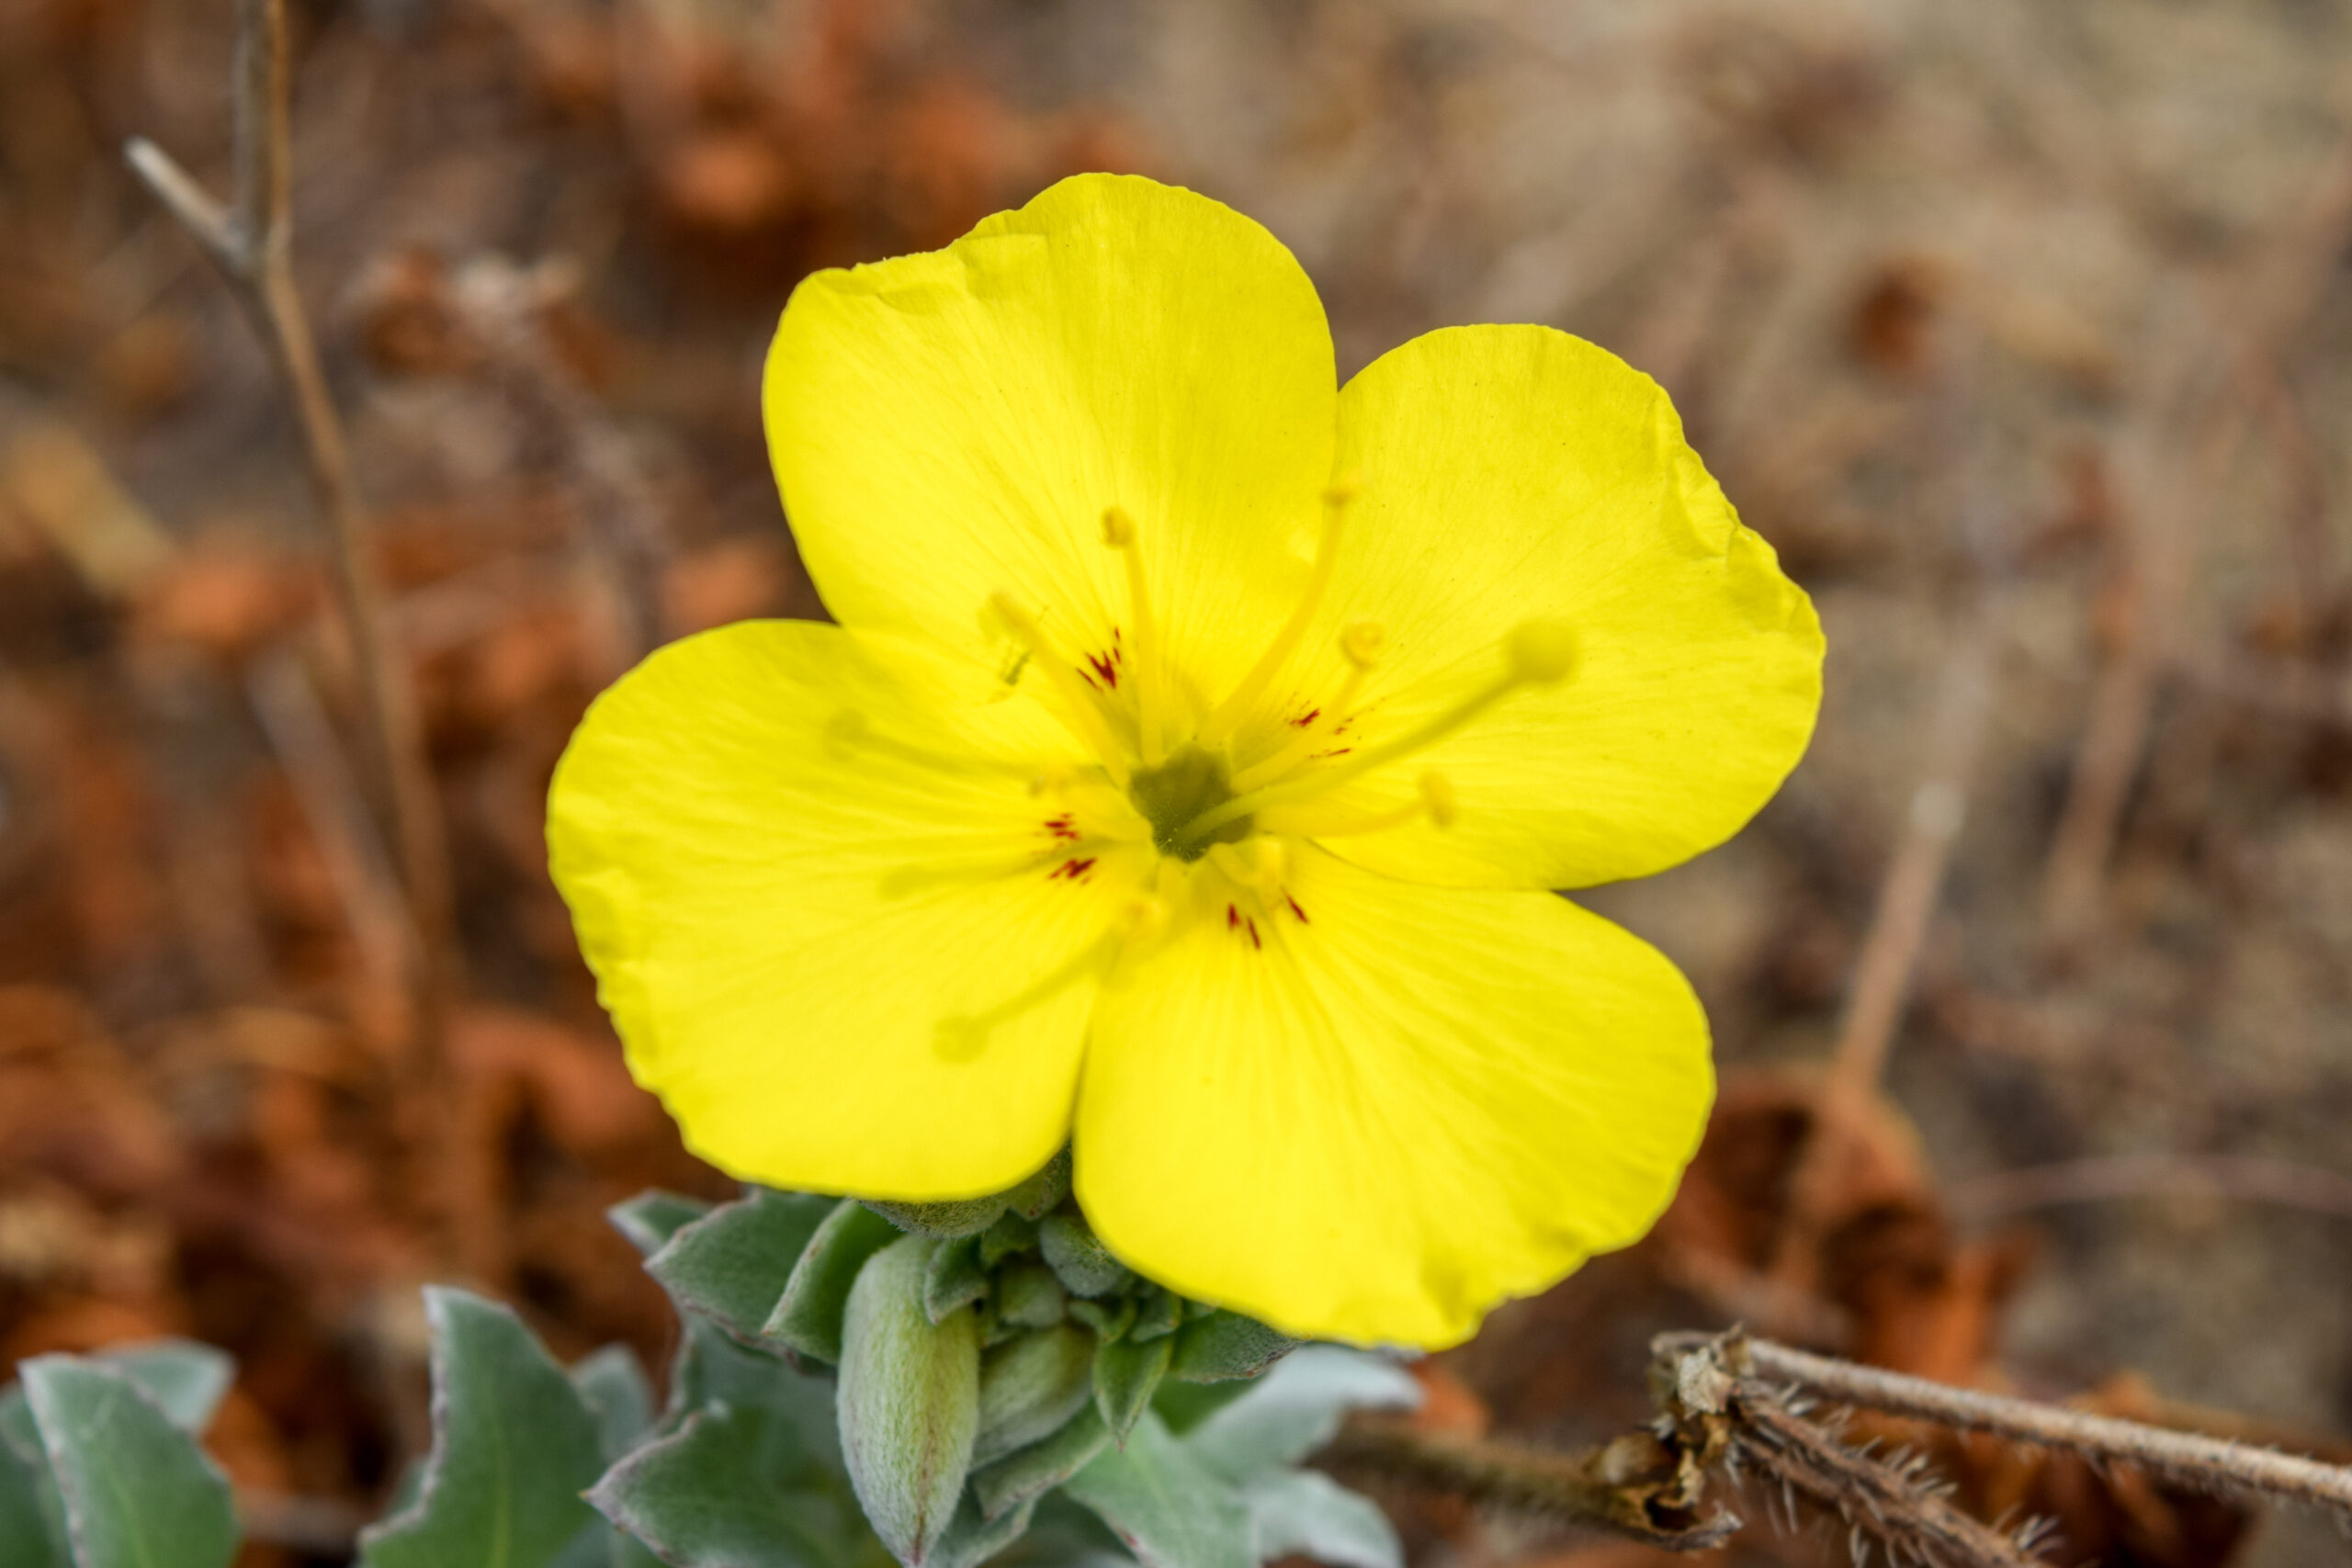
1360	645
1119	532
1257	864
1083	715
1228	713
1436	801
1536	653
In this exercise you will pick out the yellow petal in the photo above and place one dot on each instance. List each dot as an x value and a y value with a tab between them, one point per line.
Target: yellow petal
1390	1116
807	869
1515	473
955	423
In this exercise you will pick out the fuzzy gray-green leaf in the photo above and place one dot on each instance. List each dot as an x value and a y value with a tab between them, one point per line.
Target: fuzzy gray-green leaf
1042	1193
1225	1345
910	1401
1173	1511
1030	1294
1030	1387
653	1217
1081	1261
731	1265
942	1222
614	1388
514	1446
1012	1232
137	1490
808	1318
1161	1311
1305	1513
1029	1474
1297	1409
185	1378
732	1489
32	1523
1125	1372
956	1279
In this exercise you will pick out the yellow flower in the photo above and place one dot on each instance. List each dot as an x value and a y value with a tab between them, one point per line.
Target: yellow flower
1186	771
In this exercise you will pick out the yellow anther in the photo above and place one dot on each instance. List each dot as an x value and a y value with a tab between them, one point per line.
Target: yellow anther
1540	652
1118	528
1343	489
1363	643
1143	646
1437	797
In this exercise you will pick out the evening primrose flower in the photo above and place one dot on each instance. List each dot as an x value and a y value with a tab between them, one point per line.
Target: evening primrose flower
1186	773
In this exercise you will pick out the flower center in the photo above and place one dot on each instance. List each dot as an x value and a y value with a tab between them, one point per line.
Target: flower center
1123	704
1188	786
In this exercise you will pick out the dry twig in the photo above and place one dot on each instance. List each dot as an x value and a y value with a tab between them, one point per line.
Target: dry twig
1639	1486
251	240
2208	1464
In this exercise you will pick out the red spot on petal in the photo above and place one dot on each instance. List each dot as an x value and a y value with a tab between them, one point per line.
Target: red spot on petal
1295	909
1106	666
1071	870
1232	916
1254	940
1064	828
1341	752
1306	718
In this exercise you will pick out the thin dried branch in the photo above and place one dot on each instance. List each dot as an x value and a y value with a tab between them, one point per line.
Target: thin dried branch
2280	1184
2208	1464
252	240
1638	1486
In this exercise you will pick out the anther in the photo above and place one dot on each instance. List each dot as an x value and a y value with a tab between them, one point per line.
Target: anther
1363	643
1118	528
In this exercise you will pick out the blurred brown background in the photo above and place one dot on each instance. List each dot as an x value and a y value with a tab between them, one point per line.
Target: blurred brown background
2021	329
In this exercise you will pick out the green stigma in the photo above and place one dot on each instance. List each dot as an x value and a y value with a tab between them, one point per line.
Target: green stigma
1177	792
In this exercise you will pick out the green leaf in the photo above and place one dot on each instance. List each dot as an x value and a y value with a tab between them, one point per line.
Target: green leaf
514	1446
138	1492
1305	1513
731	1264
910	1401
185	1378
1161	1311
1081	1261
1030	1294
942	1222
1031	1472
733	1488
956	1279
1184	1405
27	1537
1170	1510
614	1388
1297	1409
27	1492
1012	1233
808	1319
971	1540
1109	1320
653	1217
1043	1192
713	1370
1125	1372
1225	1345
1030	1387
